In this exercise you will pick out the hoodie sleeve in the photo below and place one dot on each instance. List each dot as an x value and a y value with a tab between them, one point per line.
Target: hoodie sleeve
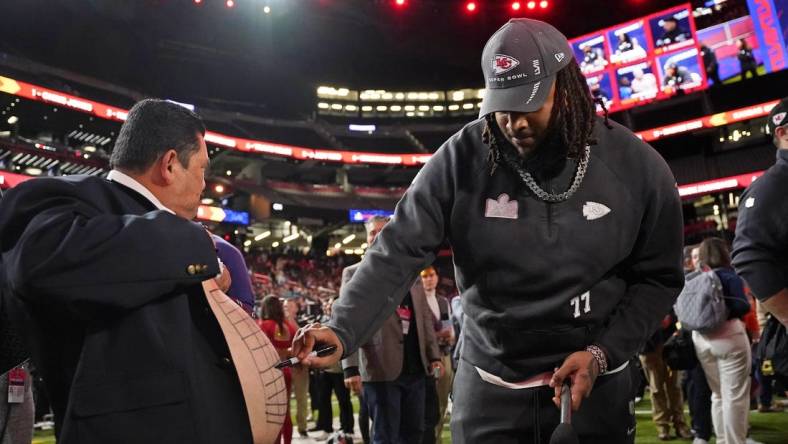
406	245
653	270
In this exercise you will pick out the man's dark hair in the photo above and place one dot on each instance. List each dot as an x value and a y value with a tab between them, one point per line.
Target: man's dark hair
714	253
152	128
572	117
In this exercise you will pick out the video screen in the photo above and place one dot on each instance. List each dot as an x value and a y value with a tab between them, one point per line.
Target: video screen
671	30
672	51
360	215
628	43
637	83
680	71
590	53
601	89
646	59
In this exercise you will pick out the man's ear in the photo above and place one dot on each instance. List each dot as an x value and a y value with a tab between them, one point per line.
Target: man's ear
782	133
166	166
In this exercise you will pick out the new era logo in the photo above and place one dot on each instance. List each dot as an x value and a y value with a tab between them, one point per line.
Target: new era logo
593	210
502	207
559	57
503	63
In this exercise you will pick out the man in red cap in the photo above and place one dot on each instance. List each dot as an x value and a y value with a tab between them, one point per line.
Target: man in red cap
567	238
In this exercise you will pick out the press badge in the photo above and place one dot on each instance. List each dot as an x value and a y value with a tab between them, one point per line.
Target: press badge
404	314
16	385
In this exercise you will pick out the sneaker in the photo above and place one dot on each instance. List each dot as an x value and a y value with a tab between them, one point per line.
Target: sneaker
663	433
699	441
302	433
752	441
319	436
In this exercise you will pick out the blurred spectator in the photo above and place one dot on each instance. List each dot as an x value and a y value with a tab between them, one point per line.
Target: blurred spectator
281	332
725	353
644	84
300	374
672	32
240	289
394	365
437	394
761	234
746	59
766	379
667	406
710	62
331	380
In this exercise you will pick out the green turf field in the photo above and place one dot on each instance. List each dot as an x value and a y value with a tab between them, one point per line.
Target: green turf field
768	428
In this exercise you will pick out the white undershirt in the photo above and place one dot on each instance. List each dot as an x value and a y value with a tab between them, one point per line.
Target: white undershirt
130	182
432	301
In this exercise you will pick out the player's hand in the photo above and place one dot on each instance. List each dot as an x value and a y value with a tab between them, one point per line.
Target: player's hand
223	279
582	369
354	384
313	336
437	366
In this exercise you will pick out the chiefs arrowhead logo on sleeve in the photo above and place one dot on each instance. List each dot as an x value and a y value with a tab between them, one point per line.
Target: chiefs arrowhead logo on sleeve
503	63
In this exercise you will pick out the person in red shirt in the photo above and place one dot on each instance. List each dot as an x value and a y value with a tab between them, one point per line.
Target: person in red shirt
281	332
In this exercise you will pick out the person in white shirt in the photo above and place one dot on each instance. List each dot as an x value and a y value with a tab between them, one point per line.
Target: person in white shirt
644	84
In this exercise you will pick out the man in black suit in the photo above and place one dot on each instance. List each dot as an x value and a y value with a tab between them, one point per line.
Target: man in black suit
110	271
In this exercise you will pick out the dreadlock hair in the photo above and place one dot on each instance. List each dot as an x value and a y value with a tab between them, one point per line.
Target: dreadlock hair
572	117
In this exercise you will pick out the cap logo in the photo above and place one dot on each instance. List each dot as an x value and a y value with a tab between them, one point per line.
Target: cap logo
560	57
778	118
537	68
503	63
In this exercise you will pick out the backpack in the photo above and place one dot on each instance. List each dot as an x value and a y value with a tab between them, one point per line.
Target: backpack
772	350
701	304
679	351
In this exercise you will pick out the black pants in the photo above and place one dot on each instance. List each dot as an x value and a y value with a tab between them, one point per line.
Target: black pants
363	418
334	382
397	409
431	411
714	75
749	68
699	400
485	413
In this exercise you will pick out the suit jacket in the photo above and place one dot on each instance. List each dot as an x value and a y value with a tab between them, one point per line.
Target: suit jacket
381	358
129	350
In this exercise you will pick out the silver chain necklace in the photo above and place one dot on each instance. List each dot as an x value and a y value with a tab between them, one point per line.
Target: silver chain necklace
543	195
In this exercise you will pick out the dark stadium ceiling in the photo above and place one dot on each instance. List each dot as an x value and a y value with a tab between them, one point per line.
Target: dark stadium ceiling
243	57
